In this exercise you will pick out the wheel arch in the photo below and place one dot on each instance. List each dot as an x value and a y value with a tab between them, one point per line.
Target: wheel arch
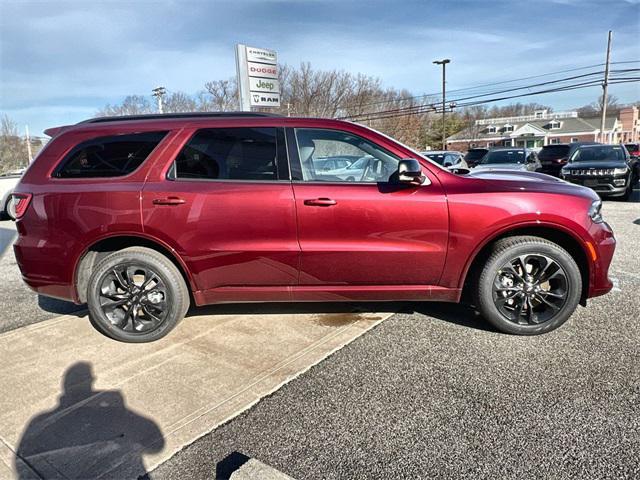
93	254
569	241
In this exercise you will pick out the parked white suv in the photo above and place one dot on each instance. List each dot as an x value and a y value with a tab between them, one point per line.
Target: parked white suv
8	182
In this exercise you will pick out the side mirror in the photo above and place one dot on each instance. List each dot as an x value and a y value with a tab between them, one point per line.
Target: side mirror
410	171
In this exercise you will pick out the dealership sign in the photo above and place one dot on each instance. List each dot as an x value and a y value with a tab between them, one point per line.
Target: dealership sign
258	84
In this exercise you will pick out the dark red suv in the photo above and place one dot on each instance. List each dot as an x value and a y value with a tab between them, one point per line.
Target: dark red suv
140	217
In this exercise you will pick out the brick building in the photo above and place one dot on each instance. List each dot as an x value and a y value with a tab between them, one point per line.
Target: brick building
545	128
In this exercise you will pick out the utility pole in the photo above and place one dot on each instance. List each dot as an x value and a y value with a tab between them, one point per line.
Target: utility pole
159	93
28	138
605	84
444	81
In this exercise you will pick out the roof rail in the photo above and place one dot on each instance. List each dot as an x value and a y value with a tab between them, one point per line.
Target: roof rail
169	116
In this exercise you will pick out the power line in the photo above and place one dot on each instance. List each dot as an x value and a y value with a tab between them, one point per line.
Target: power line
427	108
460	99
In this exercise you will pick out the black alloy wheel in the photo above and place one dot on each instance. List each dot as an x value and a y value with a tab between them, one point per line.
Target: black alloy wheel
527	286
530	289
134	298
136	295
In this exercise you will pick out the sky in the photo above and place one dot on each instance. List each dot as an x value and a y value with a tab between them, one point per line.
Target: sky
61	61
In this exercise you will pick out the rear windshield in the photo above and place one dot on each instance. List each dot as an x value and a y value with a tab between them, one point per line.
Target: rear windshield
475	155
113	156
632	147
504	156
554	152
598	154
436	157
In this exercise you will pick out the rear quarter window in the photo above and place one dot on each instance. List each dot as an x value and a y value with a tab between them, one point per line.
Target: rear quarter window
112	156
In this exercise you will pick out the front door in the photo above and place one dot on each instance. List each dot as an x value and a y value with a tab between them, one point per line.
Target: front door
227	208
354	226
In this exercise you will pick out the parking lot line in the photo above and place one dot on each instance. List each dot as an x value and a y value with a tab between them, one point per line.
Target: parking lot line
83	405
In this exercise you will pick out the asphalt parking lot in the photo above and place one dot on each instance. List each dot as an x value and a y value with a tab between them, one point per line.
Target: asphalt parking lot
433	391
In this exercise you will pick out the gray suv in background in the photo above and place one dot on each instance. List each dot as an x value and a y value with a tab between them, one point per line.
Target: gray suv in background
510	158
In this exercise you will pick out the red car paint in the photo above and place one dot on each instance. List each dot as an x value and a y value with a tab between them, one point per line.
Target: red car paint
242	241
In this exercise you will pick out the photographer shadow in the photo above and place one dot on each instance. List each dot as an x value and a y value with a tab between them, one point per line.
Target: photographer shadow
89	434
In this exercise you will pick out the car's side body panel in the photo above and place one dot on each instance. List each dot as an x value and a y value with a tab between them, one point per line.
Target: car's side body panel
258	241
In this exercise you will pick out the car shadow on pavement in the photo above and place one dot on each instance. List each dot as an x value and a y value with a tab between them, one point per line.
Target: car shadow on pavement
61	307
88	434
459	314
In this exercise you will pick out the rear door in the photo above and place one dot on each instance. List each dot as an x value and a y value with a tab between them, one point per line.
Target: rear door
225	204
365	230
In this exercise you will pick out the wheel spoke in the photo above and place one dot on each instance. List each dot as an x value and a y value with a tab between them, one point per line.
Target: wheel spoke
114	304
548	303
121	280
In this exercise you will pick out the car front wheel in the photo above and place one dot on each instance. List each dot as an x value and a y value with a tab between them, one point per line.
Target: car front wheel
136	295
528	286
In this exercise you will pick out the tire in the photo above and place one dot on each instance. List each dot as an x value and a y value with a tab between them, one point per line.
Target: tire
121	309
552	286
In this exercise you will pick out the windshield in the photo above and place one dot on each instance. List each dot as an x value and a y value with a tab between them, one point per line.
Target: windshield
554	152
436	157
475	155
598	154
504	156
359	165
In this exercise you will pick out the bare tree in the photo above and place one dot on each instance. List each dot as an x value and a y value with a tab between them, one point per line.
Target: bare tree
180	102
131	105
223	96
13	150
594	109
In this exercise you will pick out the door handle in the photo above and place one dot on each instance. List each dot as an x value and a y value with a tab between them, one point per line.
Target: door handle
320	202
169	201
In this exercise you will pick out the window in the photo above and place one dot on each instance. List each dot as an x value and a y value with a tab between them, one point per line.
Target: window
372	163
554	141
228	154
491	129
113	156
508	128
574	139
473	145
555	125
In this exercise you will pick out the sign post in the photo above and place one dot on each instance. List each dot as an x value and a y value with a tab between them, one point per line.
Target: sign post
258	84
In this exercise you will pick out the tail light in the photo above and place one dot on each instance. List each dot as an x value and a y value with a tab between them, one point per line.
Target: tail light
18	205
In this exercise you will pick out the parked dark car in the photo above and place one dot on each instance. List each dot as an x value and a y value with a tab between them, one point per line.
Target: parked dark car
554	157
633	149
510	158
474	155
142	216
607	169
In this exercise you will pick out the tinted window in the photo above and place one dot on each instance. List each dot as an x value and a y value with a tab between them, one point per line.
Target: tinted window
374	164
229	153
554	152
109	156
474	155
598	153
436	157
504	156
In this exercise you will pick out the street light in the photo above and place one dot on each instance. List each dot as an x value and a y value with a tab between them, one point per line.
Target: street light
444	131
159	93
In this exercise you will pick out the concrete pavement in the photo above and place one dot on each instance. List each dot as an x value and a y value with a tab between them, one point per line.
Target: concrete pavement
78	405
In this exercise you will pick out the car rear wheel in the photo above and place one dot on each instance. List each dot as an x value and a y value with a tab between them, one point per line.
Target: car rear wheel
136	295
528	286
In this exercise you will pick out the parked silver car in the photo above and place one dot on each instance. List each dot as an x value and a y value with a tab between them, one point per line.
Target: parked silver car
449	159
510	158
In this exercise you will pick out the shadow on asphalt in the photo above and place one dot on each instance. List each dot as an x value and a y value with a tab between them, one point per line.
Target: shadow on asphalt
88	433
228	465
455	313
61	307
